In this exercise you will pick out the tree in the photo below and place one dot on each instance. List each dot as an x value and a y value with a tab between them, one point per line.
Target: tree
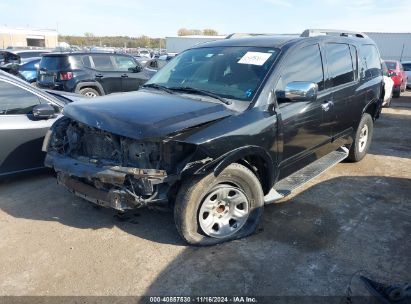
88	35
210	32
183	32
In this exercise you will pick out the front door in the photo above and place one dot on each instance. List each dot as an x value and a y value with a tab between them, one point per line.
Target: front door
105	73
131	80
21	136
305	127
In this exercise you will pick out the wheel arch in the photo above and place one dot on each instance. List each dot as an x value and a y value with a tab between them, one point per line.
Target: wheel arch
374	109
90	84
257	159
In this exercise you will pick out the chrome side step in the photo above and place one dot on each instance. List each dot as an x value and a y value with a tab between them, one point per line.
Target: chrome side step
289	184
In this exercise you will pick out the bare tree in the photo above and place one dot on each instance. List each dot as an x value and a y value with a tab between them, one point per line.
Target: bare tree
210	32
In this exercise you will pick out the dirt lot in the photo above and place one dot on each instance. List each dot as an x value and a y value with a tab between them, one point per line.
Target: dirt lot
354	217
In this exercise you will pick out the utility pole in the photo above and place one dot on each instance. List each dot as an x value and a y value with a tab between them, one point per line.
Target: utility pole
402	51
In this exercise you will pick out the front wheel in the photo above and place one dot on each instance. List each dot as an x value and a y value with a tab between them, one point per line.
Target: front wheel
362	139
212	210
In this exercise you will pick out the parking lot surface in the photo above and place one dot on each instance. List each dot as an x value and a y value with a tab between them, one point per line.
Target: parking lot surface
354	217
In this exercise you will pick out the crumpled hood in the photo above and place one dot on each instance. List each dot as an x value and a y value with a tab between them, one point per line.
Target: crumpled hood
143	115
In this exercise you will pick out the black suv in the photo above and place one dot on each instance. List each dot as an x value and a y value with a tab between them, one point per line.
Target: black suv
224	128
90	74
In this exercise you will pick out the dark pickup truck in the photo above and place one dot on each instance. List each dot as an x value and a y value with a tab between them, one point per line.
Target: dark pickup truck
223	129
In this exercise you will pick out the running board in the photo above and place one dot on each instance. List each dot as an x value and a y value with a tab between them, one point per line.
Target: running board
289	184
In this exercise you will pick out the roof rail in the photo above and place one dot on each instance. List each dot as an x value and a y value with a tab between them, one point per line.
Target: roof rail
240	35
321	32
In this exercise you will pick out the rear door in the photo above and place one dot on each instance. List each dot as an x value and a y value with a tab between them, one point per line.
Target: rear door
21	136
105	73
131	79
343	81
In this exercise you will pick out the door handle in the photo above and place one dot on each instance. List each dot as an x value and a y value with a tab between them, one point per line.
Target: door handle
124	76
99	75
327	105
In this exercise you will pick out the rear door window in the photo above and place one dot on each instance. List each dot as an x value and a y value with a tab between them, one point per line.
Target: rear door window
80	61
102	62
15	100
340	65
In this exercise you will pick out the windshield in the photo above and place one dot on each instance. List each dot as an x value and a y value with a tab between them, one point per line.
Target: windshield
230	72
407	67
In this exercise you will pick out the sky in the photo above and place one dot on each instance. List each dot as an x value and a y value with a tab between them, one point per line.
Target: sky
163	18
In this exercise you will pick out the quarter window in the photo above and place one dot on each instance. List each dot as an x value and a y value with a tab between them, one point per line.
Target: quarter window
102	62
15	100
340	65
372	61
304	65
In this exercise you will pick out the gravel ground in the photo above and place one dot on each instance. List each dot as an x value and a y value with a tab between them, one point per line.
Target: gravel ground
354	217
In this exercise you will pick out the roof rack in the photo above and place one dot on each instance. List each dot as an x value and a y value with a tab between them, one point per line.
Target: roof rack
240	35
323	32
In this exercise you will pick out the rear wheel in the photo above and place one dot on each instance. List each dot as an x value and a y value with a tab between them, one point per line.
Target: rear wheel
212	210
396	93
89	92
362	139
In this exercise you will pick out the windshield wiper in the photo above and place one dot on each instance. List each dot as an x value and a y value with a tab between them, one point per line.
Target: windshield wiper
201	92
158	87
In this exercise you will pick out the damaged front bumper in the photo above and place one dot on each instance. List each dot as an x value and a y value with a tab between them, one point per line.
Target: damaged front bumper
106	185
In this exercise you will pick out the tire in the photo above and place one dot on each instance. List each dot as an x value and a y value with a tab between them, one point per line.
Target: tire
360	146
89	92
211	194
388	104
396	93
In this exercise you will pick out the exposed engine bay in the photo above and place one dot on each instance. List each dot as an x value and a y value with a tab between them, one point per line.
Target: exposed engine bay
112	170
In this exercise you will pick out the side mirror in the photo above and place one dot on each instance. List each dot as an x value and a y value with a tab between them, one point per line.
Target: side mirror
298	91
43	111
136	69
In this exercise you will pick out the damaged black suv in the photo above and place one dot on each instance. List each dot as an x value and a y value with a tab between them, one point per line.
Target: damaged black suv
223	129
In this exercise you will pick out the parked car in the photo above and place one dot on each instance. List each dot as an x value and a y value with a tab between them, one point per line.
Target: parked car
142	60
156	64
224	128
90	74
144	53
19	56
26	70
396	72
388	86
407	69
26	113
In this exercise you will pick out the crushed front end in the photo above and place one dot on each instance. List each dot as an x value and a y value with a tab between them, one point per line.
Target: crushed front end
111	170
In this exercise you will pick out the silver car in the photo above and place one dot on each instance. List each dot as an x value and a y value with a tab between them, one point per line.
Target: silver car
26	113
407	70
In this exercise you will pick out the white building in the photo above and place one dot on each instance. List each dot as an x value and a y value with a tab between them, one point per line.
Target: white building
392	45
23	37
180	43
